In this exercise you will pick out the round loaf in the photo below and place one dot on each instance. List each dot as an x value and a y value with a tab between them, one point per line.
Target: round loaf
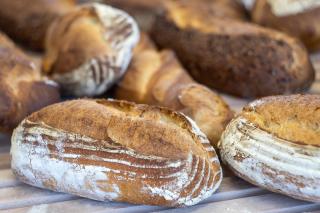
297	18
116	150
235	57
27	21
275	143
89	49
22	89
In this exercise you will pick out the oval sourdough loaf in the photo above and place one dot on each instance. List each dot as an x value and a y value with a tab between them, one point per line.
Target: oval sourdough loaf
22	89
115	150
28	20
89	49
232	56
157	78
298	18
275	143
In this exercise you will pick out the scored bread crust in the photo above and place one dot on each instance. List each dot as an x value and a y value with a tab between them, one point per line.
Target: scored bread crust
28	21
259	61
303	24
274	143
89	49
157	78
116	150
22	89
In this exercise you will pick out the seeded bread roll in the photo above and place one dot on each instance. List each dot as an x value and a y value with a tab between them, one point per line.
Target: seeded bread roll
235	57
274	143
28	20
89	49
22	89
297	18
158	78
115	150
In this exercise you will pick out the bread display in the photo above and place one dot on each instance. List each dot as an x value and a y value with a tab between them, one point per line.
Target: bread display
145	10
28	20
234	57
157	78
274	143
116	150
22	89
89	49
297	18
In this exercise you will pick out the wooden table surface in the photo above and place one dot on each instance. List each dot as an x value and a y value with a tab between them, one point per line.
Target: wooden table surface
234	195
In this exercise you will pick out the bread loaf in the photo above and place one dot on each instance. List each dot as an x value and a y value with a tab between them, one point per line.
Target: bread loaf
145	10
28	20
89	49
116	150
22	89
158	78
274	143
235	57
297	18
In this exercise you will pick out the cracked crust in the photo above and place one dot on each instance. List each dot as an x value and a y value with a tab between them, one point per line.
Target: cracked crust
303	24
28	21
116	150
234	57
157	77
22	90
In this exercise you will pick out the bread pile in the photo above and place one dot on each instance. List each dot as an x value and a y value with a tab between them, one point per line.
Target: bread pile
160	148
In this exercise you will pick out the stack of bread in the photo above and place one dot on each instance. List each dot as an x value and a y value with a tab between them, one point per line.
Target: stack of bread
156	144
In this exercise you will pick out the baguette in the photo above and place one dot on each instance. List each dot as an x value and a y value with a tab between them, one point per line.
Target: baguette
234	57
89	49
27	21
158	78
274	144
22	89
299	19
116	150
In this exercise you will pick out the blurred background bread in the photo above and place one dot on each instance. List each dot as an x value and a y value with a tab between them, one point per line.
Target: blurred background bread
157	78
233	56
89	49
22	89
130	153
297	18
28	20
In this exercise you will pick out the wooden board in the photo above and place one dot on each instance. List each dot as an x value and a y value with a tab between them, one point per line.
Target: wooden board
234	195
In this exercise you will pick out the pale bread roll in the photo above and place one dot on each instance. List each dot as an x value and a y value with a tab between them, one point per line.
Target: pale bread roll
115	150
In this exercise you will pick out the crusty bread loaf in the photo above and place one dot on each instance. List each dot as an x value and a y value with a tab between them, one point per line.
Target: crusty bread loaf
274	143
28	20
145	10
89	49
297	18
232	56
22	90
158	78
116	150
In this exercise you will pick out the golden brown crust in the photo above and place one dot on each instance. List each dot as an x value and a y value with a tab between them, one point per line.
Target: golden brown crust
259	61
124	152
304	25
88	49
158	78
22	89
28	21
294	118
